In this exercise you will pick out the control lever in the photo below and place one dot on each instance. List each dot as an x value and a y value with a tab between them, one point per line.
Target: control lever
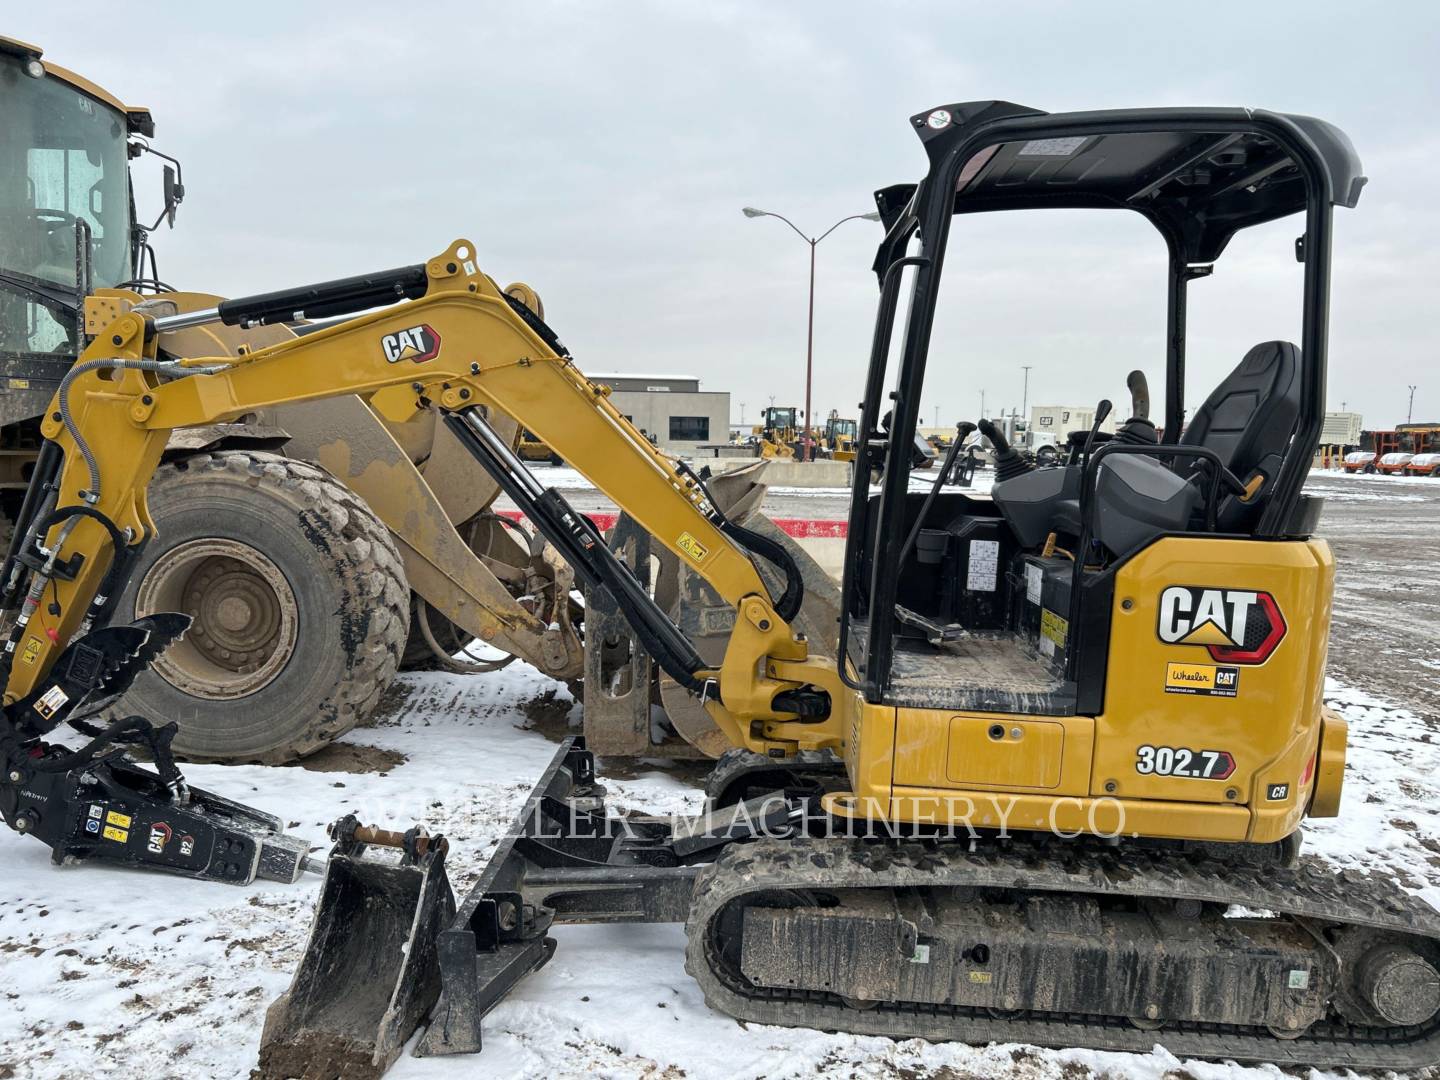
1008	461
1139	395
1138	430
962	432
1102	412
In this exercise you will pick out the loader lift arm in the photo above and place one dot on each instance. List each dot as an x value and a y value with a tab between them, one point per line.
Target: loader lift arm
462	346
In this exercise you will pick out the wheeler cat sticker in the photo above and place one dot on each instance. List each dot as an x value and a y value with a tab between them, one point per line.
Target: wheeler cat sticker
1202	680
1236	626
417	344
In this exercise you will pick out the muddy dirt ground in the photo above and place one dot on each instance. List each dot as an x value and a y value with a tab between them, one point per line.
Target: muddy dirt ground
1385	633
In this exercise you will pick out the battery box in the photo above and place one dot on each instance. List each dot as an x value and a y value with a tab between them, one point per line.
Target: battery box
1044	606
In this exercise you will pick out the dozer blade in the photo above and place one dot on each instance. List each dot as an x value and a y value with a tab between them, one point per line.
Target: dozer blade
369	974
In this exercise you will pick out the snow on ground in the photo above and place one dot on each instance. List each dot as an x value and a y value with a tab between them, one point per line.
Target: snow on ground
117	973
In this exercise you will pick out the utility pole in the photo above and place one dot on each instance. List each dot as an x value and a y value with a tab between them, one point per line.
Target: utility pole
742	414
1410	412
982	403
751	212
937	415
1025	394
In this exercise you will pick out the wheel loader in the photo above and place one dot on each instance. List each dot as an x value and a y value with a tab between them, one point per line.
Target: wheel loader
778	433
1050	788
299	627
838	441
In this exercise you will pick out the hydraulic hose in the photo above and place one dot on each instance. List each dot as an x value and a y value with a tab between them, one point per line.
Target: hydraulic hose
161	367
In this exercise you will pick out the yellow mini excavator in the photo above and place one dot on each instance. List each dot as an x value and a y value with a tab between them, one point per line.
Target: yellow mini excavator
1049	791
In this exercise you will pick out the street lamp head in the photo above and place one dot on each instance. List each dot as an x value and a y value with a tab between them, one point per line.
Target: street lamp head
750	211
874	215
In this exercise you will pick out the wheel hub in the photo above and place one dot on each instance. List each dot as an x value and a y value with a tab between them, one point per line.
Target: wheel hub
244	611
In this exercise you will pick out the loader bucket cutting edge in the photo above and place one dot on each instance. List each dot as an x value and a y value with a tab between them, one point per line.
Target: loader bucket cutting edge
369	974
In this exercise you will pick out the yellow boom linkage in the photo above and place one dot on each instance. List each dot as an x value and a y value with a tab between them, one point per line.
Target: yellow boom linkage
472	350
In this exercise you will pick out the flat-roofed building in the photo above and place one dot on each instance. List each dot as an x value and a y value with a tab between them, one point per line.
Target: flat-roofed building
671	409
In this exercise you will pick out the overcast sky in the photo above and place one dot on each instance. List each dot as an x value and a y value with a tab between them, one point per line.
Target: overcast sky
602	153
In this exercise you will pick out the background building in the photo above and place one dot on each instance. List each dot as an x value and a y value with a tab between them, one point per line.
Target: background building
671	408
1341	429
1050	424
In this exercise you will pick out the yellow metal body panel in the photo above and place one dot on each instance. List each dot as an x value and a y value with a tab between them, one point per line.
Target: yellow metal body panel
1329	766
1020	754
1270	727
1048	754
1076	773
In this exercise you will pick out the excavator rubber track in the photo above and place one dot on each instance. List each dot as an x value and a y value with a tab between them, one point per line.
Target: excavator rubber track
1363	912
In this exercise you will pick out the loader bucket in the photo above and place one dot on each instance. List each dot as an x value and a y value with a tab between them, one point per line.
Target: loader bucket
369	974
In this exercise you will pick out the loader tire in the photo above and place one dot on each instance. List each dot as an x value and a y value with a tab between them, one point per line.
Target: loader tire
300	603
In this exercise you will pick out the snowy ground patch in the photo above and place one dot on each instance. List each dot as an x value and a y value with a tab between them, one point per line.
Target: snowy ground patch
111	973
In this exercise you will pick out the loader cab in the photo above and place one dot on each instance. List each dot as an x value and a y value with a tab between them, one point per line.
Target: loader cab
65	151
779	424
1003	603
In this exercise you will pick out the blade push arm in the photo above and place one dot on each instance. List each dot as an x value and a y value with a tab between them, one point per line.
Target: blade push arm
459	347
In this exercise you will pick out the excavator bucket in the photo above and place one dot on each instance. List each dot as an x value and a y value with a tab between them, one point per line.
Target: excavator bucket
369	974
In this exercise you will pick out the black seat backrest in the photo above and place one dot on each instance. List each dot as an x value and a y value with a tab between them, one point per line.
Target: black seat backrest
1249	421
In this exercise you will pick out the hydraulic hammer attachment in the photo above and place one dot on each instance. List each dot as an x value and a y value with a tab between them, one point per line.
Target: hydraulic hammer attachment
96	804
369	973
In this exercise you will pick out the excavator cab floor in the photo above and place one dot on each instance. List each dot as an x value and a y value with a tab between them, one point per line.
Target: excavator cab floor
991	671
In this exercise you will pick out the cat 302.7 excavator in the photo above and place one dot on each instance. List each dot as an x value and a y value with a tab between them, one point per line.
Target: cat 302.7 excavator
1049	791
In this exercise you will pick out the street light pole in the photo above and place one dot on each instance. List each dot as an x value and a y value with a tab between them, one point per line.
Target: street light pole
805	441
1410	411
751	212
1025	394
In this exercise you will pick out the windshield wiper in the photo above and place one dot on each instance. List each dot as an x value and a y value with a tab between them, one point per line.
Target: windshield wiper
44	292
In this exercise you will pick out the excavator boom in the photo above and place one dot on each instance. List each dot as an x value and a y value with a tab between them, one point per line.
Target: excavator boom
454	342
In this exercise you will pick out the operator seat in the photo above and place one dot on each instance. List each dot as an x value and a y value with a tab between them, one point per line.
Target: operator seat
1248	422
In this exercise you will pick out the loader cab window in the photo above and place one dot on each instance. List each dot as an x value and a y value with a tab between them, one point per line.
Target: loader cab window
62	157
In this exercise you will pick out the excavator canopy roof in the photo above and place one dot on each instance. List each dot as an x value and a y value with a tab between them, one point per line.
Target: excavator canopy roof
1199	174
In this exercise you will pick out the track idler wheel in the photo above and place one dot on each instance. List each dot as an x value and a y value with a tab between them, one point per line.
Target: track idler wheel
1401	987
